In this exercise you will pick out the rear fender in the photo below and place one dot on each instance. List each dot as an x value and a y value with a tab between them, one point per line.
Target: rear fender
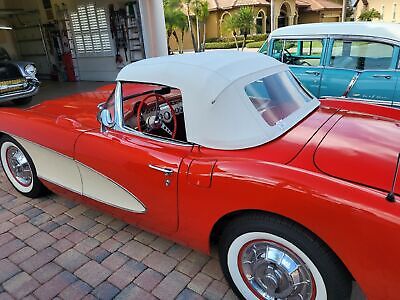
362	107
348	219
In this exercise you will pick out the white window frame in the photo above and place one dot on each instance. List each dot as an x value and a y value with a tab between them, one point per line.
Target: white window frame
91	32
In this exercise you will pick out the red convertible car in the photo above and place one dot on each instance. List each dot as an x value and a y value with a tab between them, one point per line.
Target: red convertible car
300	196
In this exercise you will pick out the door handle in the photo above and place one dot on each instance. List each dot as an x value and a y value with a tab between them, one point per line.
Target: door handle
315	73
166	171
386	76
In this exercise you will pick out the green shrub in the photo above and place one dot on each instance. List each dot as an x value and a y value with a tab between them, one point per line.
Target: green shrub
226	45
220	45
255	44
259	37
255	37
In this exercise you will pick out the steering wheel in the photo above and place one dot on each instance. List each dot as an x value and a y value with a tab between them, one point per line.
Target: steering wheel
156	121
287	56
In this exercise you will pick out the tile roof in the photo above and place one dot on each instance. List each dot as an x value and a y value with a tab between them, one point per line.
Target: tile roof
227	4
317	5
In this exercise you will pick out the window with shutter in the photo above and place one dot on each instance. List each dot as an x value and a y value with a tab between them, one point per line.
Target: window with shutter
91	33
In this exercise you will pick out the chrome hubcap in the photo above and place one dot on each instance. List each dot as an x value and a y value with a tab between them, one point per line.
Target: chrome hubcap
19	166
272	271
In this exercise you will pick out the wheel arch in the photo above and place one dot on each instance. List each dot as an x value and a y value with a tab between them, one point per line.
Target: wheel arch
219	226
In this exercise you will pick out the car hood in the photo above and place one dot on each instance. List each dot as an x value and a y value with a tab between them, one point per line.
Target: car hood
363	149
78	108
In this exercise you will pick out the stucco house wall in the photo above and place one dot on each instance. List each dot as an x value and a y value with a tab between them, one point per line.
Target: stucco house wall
390	10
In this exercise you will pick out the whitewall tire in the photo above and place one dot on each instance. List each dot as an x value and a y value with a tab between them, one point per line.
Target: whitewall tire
19	168
268	257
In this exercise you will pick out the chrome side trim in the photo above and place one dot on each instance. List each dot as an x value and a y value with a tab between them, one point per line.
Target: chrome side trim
351	84
60	185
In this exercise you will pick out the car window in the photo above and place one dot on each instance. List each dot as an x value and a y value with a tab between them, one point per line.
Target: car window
361	55
277	96
298	52
154	104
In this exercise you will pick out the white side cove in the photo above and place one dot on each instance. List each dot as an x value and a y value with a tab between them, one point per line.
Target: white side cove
76	177
103	189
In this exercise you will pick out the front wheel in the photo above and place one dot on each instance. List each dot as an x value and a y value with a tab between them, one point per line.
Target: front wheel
19	168
268	257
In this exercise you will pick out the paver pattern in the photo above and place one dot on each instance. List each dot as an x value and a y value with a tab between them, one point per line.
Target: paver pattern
54	248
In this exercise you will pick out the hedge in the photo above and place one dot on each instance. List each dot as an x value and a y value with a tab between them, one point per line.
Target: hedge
254	37
226	45
221	45
255	44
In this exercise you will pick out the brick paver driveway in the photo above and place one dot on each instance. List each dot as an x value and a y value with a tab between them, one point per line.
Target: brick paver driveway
53	247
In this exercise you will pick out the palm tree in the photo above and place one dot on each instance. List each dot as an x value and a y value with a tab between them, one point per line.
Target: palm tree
242	21
174	19
203	17
188	4
182	25
231	25
170	19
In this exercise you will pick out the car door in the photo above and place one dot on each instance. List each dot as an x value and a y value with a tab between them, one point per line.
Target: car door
127	172
358	68
135	174
304	57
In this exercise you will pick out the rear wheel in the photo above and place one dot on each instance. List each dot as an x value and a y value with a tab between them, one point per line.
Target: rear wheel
19	168
268	257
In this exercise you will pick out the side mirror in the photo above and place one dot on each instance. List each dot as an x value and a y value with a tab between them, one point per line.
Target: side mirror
105	119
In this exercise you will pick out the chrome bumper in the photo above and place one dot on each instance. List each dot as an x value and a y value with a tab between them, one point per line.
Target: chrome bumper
31	90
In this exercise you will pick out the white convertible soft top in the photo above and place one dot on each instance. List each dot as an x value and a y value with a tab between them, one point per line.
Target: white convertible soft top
218	113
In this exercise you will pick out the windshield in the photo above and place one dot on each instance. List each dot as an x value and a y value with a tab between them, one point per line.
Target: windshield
277	96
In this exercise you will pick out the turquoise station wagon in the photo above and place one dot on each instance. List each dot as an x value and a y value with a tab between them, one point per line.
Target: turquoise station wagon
358	60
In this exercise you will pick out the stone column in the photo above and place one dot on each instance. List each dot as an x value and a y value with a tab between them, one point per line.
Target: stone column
273	27
153	27
291	20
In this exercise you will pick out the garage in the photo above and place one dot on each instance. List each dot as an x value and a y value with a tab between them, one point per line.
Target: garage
81	40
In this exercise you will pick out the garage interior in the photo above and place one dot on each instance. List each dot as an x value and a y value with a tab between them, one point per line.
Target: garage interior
80	43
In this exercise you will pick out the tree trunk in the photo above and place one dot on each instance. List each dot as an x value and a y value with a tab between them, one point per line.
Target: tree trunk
204	37
169	47
236	41
182	41
198	33
177	40
244	41
191	30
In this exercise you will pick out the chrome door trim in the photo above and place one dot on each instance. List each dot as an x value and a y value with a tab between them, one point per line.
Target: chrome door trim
119	120
351	84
